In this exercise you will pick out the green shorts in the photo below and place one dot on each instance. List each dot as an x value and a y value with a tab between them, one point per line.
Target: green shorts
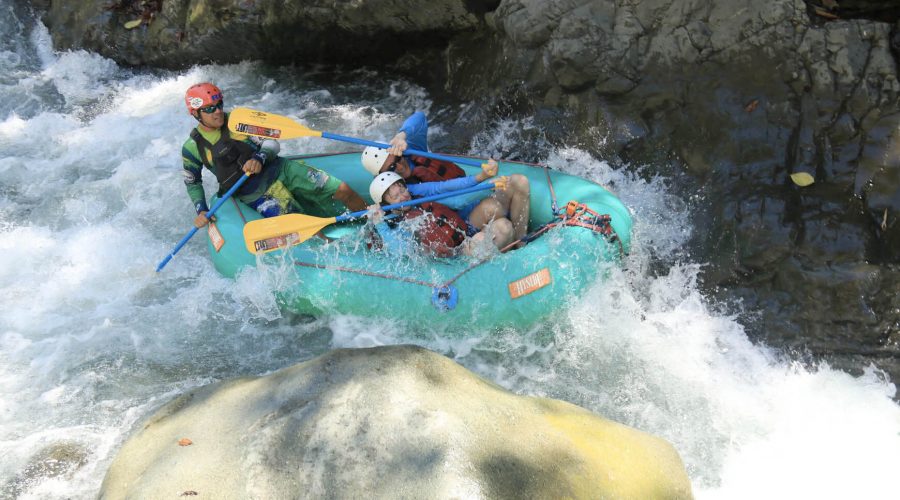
300	188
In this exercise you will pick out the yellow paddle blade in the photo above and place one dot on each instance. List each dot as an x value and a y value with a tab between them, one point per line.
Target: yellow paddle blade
259	123
266	235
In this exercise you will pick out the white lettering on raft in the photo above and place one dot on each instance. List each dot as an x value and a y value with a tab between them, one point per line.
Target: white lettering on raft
530	283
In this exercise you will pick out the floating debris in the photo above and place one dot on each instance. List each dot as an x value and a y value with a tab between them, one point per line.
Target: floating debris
802	178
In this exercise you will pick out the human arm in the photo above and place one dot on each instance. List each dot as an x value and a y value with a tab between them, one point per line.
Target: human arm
193	181
346	195
394	241
413	134
423	189
266	149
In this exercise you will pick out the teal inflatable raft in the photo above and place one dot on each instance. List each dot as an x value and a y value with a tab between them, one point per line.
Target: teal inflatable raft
577	227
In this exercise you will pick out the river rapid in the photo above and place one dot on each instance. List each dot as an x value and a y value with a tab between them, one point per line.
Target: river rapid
92	339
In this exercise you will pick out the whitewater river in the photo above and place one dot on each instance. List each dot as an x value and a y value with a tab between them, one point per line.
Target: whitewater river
92	340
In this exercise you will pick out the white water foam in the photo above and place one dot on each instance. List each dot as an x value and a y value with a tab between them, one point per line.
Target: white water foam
92	340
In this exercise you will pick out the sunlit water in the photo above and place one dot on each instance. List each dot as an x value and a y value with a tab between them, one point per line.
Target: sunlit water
92	339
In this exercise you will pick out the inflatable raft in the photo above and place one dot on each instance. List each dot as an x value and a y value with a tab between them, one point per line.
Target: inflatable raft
576	228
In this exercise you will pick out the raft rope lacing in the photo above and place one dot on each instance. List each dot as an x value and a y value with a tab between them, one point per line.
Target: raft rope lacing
575	214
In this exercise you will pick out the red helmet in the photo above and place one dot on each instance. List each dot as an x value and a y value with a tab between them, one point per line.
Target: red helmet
201	95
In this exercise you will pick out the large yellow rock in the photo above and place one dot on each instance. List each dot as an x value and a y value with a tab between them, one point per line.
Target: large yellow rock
387	422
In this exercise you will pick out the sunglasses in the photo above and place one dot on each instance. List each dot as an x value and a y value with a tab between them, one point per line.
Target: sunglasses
212	109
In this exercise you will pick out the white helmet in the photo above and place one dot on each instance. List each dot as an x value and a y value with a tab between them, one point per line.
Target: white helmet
373	158
381	183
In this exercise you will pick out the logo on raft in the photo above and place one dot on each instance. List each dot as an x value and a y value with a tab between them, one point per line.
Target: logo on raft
530	283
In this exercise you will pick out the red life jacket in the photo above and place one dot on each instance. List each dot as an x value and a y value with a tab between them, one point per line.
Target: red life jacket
442	229
431	170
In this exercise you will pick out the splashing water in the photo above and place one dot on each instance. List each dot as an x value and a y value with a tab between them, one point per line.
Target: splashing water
92	340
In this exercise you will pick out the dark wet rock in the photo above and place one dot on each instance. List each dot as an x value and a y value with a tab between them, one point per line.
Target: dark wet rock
876	10
184	33
739	95
727	97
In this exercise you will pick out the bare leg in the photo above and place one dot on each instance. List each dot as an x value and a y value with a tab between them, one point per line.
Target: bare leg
520	205
515	201
489	209
502	232
472	246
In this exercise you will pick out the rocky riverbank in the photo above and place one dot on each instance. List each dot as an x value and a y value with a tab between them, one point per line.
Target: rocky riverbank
727	98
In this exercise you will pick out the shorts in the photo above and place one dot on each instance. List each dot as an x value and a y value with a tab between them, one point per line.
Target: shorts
300	188
466	210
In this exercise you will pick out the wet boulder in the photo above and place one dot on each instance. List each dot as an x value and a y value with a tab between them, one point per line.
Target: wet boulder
57	459
387	422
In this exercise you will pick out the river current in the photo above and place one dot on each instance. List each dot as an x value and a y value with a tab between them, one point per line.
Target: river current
92	339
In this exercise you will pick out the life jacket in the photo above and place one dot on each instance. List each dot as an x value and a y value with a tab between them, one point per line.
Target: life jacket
431	170
225	158
441	230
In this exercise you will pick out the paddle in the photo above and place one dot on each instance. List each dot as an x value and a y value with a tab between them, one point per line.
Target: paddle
272	126
266	235
208	216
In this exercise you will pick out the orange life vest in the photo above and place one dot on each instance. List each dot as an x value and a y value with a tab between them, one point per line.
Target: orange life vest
431	170
442	230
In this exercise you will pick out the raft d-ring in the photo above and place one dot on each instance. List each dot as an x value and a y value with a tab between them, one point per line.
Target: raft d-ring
444	298
571	208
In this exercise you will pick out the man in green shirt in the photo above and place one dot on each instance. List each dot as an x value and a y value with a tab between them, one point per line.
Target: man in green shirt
276	185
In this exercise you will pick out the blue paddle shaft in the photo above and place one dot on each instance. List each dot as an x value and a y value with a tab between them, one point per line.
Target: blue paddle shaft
209	215
418	201
426	154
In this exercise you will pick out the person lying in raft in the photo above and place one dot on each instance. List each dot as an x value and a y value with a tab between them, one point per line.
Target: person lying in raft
436	228
514	203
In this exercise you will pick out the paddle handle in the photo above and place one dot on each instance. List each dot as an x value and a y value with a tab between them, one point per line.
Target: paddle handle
426	154
209	215
418	201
